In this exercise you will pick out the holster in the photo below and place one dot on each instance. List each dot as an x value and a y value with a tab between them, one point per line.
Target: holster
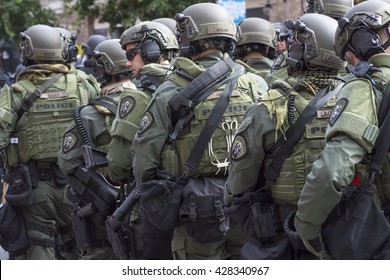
89	187
81	227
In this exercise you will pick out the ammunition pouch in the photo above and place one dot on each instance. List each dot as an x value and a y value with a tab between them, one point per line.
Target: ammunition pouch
13	235
19	192
356	228
160	200
255	249
201	211
157	242
256	213
88	187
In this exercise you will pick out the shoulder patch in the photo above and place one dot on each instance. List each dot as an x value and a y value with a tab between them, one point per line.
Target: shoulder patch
70	140
337	110
238	149
146	121
126	106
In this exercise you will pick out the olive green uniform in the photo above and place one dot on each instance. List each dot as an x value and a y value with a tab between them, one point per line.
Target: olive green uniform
264	123
350	136
125	125
255	75
151	148
96	120
39	132
262	65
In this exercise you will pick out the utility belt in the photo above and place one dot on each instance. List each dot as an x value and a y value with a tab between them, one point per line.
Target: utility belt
47	172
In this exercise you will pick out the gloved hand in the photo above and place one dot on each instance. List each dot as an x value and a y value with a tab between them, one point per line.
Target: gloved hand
311	237
316	247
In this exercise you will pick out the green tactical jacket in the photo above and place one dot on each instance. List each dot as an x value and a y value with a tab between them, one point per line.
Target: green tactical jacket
350	135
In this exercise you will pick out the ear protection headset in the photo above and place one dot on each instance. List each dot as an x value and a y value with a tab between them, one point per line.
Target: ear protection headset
296	50
365	43
150	50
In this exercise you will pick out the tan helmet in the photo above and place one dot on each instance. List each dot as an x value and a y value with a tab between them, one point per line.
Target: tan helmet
153	39
42	43
311	42
332	8
256	31
169	22
110	56
164	37
208	21
357	30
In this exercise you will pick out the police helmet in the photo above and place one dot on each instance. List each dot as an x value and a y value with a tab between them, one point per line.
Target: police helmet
92	42
332	8
280	30
358	30
152	38
310	44
42	43
169	22
208	21
111	57
69	43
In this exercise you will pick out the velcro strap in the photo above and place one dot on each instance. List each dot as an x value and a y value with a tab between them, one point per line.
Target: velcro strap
124	129
6	116
356	127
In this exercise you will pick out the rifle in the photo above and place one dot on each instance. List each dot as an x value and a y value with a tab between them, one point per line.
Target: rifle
88	187
121	235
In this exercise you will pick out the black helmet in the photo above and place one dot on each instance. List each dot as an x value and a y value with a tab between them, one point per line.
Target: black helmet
281	31
358	30
92	42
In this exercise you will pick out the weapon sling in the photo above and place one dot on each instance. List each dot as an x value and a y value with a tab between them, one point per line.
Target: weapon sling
282	148
36	93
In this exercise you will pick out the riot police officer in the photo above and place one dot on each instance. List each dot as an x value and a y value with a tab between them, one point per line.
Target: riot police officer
209	31
43	99
343	163
264	180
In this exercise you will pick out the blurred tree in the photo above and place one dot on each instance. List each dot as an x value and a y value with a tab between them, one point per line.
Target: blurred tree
17	15
126	12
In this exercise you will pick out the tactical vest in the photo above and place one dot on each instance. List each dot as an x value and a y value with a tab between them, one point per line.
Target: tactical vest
215	159
297	166
39	131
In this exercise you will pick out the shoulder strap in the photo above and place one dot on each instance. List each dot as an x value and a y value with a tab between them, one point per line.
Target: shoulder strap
284	146
33	96
382	143
106	102
210	126
196	91
185	110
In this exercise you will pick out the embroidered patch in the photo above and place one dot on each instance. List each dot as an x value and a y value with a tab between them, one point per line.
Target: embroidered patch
145	123
337	110
70	140
126	106
238	149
